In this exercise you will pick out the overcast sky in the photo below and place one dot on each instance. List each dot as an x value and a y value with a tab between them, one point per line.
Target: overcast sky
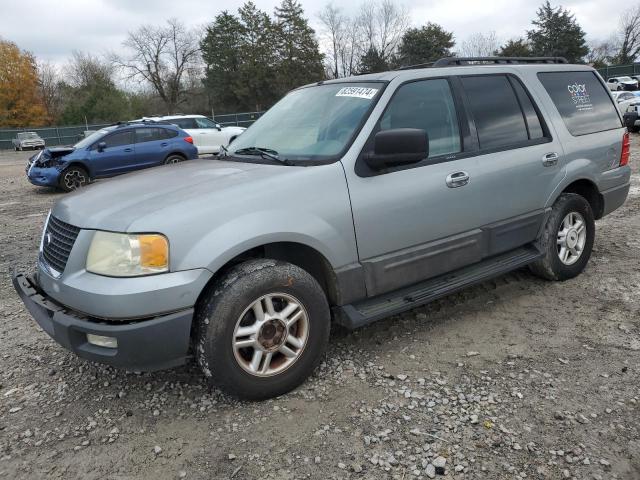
53	29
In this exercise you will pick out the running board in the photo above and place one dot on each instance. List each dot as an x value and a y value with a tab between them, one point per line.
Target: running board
373	309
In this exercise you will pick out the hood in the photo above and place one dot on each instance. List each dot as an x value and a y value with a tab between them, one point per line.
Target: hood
52	153
162	194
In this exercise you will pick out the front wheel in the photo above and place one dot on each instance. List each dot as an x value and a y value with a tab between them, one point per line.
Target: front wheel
73	178
567	239
261	329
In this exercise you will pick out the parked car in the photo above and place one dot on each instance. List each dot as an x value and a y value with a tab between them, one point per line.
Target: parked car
27	140
622	83
208	136
353	199
108	152
625	99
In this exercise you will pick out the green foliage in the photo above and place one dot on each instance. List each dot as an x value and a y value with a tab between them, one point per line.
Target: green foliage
425	44
515	48
252	60
557	33
372	62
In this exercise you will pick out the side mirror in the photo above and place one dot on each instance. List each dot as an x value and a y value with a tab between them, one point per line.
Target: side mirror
102	146
400	146
219	127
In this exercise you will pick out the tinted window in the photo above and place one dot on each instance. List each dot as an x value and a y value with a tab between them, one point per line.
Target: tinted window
166	133
583	102
149	134
184	122
205	123
534	125
495	109
427	105
119	139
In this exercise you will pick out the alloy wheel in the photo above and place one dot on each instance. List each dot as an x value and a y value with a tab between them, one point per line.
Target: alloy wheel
572	237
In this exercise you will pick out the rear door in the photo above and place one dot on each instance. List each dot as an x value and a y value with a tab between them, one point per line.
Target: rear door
152	146
210	135
117	155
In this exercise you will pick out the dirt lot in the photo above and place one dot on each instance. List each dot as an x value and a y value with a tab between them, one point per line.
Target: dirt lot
515	378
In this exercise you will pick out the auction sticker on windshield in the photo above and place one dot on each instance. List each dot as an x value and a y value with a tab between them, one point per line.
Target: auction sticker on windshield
357	92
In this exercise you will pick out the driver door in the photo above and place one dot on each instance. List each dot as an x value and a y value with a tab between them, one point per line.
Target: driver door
116	156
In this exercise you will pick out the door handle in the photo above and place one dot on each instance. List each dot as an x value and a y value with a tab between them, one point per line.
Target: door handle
164	144
128	150
457	179
550	159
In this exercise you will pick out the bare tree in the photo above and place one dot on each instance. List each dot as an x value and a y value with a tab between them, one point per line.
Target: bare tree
85	69
480	45
382	25
629	36
50	88
165	57
601	53
333	34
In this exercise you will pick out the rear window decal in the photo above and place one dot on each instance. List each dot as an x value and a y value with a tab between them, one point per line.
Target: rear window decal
580	97
357	92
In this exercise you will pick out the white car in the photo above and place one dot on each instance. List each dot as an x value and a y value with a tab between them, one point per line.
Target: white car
207	135
622	83
625	99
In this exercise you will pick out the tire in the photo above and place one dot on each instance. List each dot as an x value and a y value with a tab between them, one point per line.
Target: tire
569	209
173	158
73	178
227	307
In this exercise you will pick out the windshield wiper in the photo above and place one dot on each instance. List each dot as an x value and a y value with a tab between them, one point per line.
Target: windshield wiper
263	152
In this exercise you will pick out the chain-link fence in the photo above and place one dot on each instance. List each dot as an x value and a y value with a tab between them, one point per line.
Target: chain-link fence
69	135
619	71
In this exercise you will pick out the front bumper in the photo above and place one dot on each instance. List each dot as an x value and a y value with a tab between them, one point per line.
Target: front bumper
43	176
144	345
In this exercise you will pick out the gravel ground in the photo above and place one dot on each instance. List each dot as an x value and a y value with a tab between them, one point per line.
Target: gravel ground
515	378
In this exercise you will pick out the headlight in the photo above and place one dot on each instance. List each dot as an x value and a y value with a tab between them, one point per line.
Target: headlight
128	255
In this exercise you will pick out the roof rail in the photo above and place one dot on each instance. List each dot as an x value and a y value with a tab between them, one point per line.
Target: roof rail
142	122
459	61
418	65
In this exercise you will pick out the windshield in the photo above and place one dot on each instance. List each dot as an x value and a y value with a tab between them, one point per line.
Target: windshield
27	135
625	79
85	142
312	123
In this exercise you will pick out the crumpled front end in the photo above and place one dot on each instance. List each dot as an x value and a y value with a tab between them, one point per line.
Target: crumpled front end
45	167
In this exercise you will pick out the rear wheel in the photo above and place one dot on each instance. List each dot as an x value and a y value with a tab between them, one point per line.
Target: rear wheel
173	159
262	329
73	178
567	240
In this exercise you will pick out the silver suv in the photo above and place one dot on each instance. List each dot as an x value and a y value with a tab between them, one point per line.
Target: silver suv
349	201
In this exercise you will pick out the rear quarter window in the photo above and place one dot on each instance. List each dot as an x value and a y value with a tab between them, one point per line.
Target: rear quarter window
582	101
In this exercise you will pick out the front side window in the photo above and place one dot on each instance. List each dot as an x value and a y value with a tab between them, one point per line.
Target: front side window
498	117
426	105
183	122
311	123
205	123
582	101
119	139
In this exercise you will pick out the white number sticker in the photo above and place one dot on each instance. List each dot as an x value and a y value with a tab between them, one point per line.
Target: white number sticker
357	92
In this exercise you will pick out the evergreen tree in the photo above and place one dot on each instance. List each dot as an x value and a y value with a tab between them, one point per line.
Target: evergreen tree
299	58
515	48
372	62
557	33
425	44
222	57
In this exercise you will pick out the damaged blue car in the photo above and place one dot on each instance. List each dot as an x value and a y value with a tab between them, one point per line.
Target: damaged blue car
111	151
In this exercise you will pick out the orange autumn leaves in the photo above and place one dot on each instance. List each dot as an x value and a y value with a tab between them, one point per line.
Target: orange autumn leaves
20	101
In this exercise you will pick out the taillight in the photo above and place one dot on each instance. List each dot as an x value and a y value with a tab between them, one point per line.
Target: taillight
626	150
188	140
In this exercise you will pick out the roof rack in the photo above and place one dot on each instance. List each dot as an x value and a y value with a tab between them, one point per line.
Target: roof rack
142	122
462	61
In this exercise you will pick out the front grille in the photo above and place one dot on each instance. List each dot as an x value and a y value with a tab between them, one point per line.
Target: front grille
57	243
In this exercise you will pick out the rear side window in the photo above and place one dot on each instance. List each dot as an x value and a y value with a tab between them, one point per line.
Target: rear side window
582	101
496	111
149	134
184	122
534	126
166	133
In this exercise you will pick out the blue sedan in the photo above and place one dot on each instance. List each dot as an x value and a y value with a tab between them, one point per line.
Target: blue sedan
108	152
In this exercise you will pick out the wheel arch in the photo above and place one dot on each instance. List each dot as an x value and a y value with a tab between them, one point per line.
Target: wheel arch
589	191
296	253
80	164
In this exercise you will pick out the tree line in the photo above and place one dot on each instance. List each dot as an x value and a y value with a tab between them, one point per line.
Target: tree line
246	60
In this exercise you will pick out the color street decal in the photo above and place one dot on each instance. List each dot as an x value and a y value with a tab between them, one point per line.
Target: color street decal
580	96
357	92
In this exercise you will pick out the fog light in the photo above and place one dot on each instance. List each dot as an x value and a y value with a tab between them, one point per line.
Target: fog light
100	341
